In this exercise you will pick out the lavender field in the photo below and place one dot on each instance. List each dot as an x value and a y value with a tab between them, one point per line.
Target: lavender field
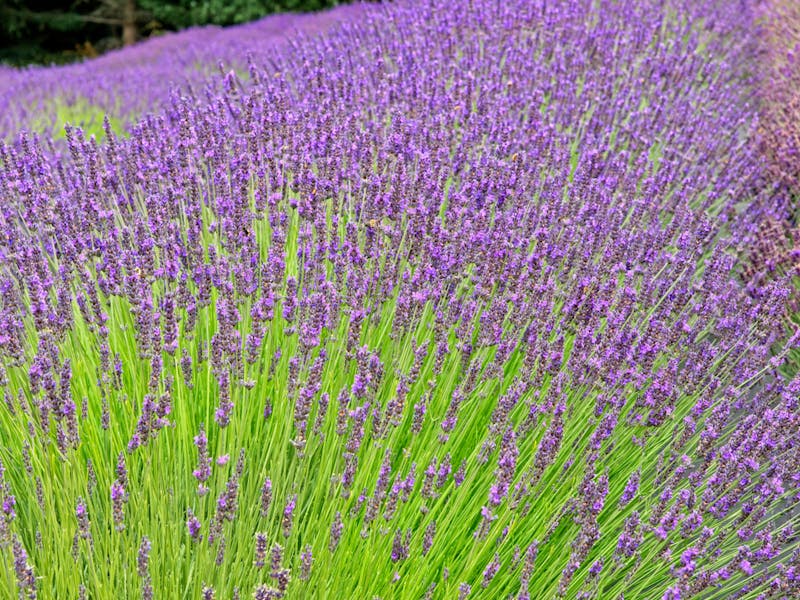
428	299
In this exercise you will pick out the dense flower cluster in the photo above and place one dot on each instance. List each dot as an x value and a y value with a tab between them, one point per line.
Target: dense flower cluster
440	306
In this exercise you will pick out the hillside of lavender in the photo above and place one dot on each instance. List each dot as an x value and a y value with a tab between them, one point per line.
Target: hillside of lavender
441	299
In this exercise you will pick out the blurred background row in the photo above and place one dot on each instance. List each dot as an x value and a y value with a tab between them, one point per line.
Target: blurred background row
60	31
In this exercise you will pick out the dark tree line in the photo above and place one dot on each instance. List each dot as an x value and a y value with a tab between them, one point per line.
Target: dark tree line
58	31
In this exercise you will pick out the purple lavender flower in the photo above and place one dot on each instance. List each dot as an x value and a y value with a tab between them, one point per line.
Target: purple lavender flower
203	472
336	532
490	571
288	516
143	557
630	489
193	525
83	520
266	497
142	568
261	550
26	579
306	560
118	499
400	545
427	541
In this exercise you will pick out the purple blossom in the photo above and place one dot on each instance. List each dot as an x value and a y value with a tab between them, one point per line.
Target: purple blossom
288	516
490	571
193	525
400	545
306	560
630	490
336	532
266	496
203	472
118	499
261	550
143	558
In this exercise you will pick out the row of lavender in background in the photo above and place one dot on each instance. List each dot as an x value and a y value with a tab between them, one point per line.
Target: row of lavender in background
439	304
126	84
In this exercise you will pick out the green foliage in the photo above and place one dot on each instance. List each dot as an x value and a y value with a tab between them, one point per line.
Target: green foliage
44	31
180	14
19	18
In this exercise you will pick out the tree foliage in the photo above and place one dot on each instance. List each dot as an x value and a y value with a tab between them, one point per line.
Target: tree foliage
179	14
53	31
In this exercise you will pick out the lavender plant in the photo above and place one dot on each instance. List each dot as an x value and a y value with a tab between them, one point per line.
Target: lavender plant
780	103
441	307
772	247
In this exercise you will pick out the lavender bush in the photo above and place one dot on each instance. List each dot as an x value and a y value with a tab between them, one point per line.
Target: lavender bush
442	306
774	248
780	90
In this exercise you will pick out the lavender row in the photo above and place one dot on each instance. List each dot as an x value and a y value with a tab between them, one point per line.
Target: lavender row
439	306
127	84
